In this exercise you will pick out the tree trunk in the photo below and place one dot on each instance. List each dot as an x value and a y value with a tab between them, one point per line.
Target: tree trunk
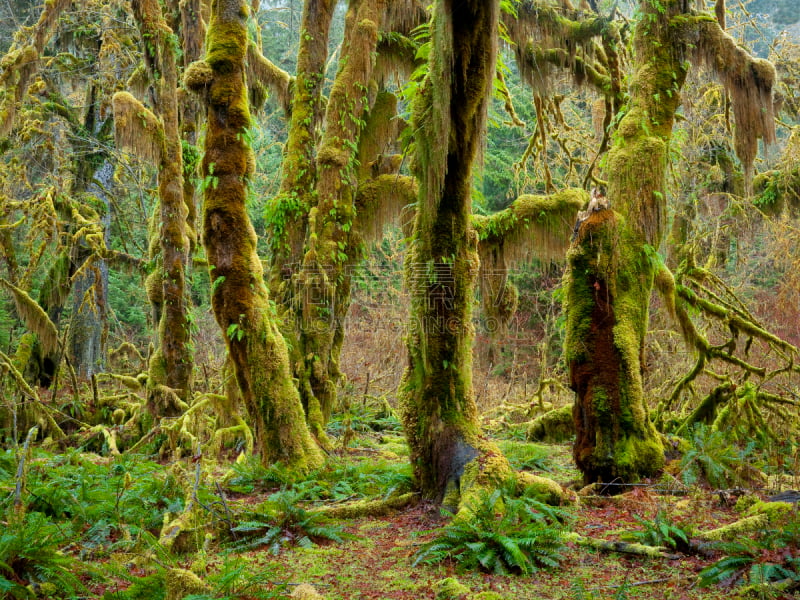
239	296
324	277
612	264
88	327
288	212
171	365
439	413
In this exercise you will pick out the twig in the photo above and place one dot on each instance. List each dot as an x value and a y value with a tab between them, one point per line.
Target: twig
228	513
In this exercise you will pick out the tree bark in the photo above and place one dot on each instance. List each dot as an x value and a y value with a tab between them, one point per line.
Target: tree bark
171	365
324	278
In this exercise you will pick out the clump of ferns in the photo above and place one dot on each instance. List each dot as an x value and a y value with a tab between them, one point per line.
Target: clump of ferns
283	521
765	567
31	559
661	531
503	534
336	481
712	456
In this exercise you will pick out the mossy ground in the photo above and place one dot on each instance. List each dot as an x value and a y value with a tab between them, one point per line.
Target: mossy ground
376	560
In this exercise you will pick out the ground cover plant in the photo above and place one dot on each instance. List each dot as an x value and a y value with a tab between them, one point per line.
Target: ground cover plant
82	525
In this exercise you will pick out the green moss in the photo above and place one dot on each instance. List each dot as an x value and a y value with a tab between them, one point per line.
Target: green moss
542	489
180	583
198	75
556	426
746	501
735	529
240	299
368	508
450	589
777	512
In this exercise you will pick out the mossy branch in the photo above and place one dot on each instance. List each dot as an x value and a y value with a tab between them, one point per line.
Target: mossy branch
263	73
724	308
533	226
367	508
554	31
748	80
621	547
136	128
381	201
36	320
21	63
7	365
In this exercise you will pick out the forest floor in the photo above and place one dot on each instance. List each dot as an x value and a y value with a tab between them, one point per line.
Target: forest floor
100	518
79	523
378	563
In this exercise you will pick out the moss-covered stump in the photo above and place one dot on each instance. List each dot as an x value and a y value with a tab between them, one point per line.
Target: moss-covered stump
553	426
610	276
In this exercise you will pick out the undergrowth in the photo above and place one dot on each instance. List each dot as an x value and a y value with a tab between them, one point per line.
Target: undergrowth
504	535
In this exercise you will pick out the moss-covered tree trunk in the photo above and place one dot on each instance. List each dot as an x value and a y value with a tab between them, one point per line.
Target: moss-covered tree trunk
239	295
171	365
289	210
325	281
613	261
88	326
448	451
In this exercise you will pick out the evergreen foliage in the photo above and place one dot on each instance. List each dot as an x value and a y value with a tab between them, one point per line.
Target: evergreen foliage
30	555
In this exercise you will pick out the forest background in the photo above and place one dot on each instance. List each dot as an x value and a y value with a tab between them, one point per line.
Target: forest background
82	326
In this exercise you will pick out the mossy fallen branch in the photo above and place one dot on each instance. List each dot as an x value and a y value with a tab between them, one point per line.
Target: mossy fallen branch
621	547
367	508
556	426
735	529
